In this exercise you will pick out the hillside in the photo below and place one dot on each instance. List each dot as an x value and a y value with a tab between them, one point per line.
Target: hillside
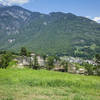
55	33
28	84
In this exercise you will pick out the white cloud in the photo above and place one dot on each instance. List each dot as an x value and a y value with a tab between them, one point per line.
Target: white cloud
12	2
97	19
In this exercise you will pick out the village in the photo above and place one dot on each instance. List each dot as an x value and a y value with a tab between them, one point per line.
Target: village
62	64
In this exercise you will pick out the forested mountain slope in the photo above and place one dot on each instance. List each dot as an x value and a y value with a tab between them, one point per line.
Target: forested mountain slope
56	33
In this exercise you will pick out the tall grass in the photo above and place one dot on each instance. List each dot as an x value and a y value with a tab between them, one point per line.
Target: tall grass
83	85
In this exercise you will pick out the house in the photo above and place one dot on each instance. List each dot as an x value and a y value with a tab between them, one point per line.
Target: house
90	62
59	69
32	54
41	61
23	60
71	68
26	61
81	71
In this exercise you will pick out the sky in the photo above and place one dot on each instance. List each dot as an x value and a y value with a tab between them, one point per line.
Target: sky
86	8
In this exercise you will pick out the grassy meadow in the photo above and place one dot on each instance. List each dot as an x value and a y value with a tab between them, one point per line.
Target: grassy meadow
28	84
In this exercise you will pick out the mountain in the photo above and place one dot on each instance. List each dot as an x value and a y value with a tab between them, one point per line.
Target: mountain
1	5
55	33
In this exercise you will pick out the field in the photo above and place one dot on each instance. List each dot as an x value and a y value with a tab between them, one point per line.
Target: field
28	84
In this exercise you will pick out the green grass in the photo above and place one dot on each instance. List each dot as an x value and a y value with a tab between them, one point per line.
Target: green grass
28	84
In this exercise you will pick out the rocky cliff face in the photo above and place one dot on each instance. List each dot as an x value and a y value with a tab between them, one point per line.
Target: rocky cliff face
13	18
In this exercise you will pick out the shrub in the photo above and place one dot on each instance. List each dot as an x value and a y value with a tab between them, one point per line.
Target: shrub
5	59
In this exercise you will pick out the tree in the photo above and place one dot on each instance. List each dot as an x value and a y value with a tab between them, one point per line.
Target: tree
5	59
50	62
36	65
97	56
56	58
89	68
44	56
2	52
65	65
23	51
